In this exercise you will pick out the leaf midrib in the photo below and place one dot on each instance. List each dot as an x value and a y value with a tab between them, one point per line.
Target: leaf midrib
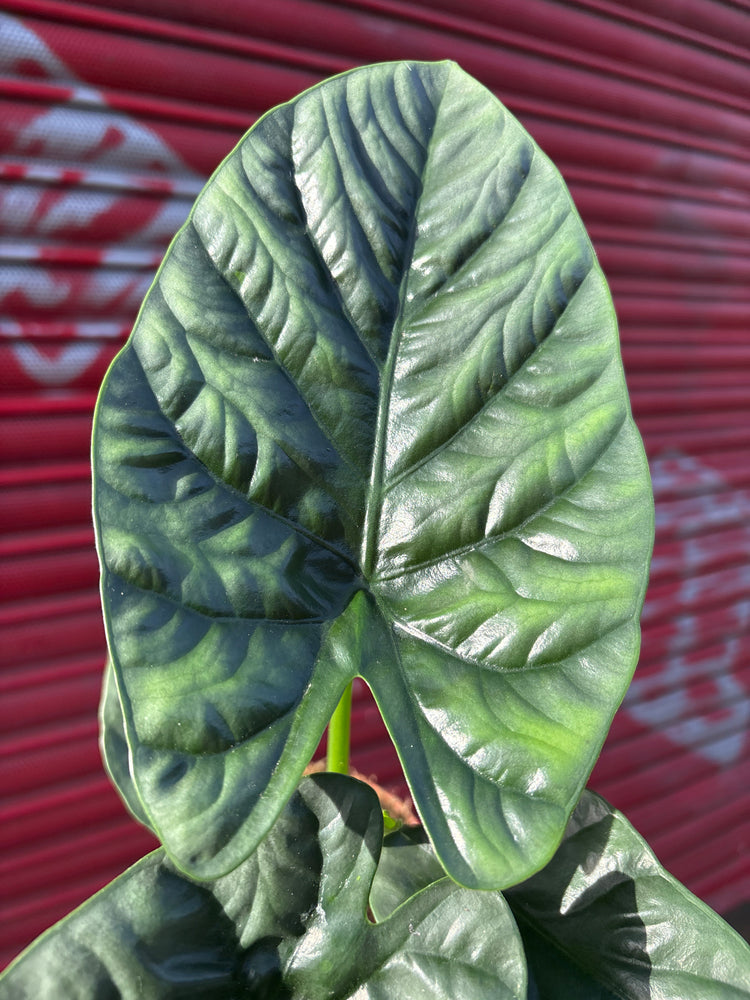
372	503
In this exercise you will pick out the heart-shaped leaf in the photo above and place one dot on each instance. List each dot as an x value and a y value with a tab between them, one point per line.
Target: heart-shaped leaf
372	421
291	922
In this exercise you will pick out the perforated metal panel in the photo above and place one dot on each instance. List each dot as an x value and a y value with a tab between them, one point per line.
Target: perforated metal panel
111	116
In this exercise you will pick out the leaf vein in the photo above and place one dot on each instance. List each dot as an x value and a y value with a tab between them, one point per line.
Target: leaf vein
326	270
489	235
248	501
512	532
279	272
212	615
507	381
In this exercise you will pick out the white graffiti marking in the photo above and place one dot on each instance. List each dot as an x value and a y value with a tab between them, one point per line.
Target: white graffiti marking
75	139
662	701
66	365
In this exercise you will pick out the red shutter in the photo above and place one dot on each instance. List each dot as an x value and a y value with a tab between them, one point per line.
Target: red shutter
111	116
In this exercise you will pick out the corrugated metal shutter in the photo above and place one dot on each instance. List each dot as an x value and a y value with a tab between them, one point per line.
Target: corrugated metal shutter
111	116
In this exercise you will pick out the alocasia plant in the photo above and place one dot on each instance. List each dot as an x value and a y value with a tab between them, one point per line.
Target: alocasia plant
372	421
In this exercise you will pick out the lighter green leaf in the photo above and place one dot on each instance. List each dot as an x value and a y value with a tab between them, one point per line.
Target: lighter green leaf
372	421
290	923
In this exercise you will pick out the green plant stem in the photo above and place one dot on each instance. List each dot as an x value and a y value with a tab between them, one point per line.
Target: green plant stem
338	734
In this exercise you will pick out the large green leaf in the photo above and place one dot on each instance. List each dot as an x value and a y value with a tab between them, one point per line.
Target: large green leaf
372	420
290	923
602	921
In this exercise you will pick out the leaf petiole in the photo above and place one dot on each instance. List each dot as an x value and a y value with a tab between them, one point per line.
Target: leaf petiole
339	734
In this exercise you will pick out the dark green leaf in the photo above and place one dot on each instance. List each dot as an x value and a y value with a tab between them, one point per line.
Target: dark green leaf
289	924
554	977
372	420
605	921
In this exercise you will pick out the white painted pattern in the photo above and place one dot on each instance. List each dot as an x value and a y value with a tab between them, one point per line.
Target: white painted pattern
661	700
80	133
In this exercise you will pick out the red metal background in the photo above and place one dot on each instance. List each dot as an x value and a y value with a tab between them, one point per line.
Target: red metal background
111	116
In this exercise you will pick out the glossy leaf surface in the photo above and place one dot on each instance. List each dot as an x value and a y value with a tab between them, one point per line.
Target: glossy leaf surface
602	921
372	420
290	923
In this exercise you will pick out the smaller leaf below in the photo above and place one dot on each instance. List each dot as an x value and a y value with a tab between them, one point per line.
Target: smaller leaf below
604	916
290	923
